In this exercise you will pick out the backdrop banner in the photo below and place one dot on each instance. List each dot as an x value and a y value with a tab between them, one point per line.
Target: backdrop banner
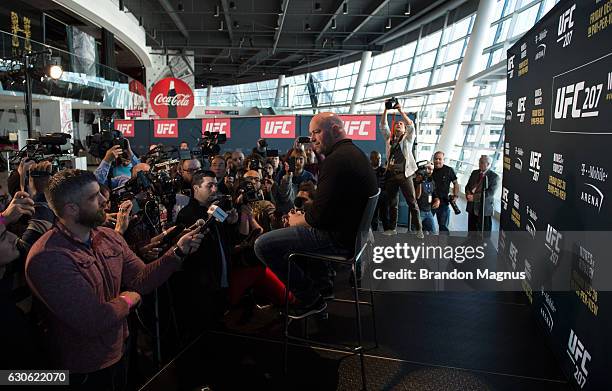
558	135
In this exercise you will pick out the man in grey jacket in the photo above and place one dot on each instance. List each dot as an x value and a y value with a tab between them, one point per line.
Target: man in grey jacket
401	167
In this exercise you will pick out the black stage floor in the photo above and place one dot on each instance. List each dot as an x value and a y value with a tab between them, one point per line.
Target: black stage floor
427	341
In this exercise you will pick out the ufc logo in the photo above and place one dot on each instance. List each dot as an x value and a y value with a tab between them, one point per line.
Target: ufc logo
510	67
567	96
520	108
277	127
351	126
579	356
505	197
216	127
168	129
126	129
566	22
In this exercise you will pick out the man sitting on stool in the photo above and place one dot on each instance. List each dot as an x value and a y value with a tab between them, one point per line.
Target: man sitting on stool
329	224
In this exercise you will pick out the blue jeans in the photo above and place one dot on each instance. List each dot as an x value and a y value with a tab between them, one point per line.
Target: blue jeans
427	219
273	248
443	216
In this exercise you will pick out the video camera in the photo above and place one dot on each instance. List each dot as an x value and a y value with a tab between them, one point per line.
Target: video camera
249	192
210	143
391	102
100	143
47	147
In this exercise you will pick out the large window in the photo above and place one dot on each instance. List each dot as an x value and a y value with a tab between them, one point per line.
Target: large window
428	66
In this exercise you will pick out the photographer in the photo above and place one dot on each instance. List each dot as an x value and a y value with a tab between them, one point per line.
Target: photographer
382	207
295	173
121	168
443	176
187	168
401	167
251	194
426	196
261	149
77	269
43	218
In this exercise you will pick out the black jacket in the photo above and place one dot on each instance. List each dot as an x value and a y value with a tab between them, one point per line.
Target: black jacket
473	182
346	180
205	265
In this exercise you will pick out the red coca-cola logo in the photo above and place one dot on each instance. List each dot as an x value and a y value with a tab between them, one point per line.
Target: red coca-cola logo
171	98
360	127
277	127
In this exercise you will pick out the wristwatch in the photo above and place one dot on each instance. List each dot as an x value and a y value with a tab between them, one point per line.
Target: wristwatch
178	252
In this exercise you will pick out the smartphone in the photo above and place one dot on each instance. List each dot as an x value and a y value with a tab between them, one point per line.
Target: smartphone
291	164
304	140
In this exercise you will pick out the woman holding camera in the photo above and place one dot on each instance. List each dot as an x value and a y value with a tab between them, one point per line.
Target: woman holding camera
401	167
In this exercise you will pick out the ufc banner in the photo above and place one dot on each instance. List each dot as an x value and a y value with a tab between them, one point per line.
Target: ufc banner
277	126
360	127
165	128
217	125
556	182
125	126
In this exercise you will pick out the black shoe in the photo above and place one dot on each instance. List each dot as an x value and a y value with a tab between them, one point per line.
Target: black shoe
299	311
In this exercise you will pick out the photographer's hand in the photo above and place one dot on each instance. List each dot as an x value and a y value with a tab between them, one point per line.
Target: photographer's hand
297	219
436	203
113	153
20	205
151	251
232	216
190	242
24	166
123	217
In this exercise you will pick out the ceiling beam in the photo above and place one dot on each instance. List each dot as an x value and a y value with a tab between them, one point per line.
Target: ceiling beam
277	34
329	21
174	16
376	10
228	20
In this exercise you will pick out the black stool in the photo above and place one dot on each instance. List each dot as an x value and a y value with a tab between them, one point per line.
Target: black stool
361	242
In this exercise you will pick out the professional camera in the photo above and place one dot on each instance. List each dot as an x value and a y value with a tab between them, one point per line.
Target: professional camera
249	192
421	173
262	143
47	147
453	205
253	164
390	103
100	143
210	143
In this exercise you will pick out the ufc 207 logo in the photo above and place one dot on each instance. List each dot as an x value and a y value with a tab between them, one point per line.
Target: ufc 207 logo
566	24
569	95
580	357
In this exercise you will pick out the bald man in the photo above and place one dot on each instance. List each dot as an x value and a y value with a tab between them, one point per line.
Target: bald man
330	223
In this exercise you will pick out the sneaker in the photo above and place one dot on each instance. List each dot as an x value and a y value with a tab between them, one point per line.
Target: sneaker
419	234
299	311
390	232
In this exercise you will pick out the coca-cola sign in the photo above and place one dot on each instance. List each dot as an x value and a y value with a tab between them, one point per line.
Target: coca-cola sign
171	98
165	128
277	127
360	127
217	125
126	127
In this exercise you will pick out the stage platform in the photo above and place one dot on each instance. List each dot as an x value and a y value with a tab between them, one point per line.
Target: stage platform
427	341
